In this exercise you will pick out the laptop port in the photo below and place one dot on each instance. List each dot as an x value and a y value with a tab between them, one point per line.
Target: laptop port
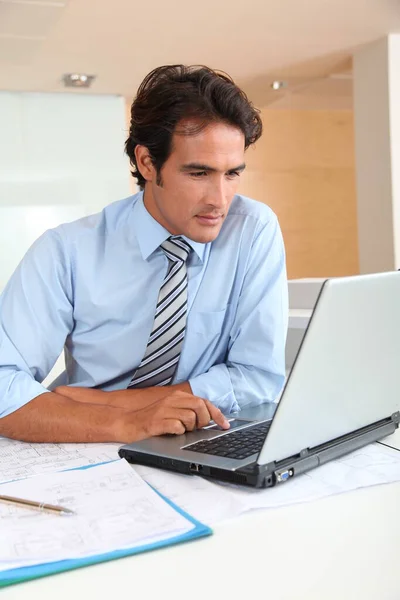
284	475
195	468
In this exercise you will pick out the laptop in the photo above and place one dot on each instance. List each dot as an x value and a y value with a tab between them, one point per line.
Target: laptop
342	393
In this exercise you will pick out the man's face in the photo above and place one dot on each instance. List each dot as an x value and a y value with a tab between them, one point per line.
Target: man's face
198	182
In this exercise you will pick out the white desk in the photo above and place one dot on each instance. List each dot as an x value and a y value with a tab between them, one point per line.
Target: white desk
342	548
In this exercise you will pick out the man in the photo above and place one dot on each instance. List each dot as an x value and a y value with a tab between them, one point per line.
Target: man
171	305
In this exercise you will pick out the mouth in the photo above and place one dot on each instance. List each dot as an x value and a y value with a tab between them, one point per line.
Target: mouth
209	219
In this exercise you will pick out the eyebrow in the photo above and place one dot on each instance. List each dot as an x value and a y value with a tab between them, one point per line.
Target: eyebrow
201	167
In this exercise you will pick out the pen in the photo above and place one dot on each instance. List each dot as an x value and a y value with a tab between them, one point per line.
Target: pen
41	506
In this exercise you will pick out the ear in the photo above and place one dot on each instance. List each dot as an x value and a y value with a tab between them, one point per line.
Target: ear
144	163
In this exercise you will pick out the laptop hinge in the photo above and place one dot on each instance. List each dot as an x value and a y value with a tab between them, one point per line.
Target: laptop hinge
388	422
396	418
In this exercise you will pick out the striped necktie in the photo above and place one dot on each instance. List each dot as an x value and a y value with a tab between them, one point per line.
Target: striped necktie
163	350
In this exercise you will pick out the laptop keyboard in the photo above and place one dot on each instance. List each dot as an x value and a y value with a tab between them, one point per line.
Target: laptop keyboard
238	444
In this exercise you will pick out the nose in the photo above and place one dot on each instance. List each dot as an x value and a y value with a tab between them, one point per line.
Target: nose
219	195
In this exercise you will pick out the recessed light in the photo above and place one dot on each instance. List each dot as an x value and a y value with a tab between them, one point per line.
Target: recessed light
78	80
277	85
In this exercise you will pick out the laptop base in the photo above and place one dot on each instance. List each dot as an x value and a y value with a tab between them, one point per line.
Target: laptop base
262	476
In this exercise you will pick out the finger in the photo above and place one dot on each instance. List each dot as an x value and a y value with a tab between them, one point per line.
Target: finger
217	415
194	403
62	390
186	416
174	426
162	427
81	394
203	416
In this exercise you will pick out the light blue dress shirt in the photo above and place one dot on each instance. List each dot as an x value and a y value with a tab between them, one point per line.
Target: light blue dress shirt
91	287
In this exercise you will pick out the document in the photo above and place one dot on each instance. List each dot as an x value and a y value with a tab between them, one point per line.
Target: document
22	459
114	509
212	502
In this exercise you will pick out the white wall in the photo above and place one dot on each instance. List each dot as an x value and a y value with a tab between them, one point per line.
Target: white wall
61	158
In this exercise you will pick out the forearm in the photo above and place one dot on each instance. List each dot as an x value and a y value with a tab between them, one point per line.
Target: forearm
53	418
129	399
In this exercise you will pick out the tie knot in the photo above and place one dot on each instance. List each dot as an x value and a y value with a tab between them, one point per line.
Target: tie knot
176	248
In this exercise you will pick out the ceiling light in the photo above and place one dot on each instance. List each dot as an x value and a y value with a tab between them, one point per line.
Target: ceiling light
78	80
277	85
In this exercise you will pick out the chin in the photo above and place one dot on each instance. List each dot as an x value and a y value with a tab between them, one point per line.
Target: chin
204	234
204	237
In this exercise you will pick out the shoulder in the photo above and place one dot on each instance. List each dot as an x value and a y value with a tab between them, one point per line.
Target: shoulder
57	245
104	223
258	212
248	226
251	217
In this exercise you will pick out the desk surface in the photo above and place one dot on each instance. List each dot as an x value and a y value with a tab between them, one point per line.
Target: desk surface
342	547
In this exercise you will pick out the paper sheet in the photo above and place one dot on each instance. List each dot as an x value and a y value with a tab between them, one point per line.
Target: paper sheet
212	502
21	459
115	509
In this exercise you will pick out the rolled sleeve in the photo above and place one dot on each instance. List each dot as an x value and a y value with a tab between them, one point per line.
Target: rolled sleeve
17	388
216	386
35	318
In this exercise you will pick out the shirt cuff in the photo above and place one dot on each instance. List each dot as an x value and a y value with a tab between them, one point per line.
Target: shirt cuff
16	390
216	386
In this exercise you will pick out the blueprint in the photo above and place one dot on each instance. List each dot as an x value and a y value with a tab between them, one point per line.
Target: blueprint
114	509
22	459
212	502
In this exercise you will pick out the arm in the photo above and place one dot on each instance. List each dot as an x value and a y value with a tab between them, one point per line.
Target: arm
132	400
35	319
55	418
129	399
254	371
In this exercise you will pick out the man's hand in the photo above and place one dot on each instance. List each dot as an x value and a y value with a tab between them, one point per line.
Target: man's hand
151	411
176	413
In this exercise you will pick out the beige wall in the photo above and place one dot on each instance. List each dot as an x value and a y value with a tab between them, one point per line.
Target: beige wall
303	167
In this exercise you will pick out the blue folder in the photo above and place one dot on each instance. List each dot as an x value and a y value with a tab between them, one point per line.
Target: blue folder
21	574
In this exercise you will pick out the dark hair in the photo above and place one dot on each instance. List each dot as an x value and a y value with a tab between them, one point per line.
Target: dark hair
172	93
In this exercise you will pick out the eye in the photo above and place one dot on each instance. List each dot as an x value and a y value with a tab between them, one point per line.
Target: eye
233	174
198	174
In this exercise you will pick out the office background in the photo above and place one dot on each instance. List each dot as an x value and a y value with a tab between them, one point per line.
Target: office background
328	162
61	148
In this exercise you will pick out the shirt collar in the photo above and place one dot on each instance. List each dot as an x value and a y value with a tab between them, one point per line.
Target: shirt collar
150	234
